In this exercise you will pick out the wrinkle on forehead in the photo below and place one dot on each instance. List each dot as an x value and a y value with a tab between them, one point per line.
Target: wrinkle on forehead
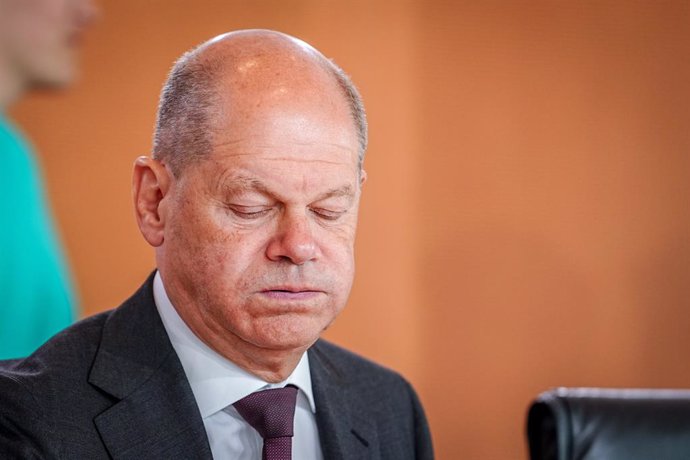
291	159
219	146
254	156
234	182
326	153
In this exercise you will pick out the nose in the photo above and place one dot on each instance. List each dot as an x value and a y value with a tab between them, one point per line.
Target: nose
294	240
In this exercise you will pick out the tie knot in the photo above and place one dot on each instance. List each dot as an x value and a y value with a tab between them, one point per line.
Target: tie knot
270	412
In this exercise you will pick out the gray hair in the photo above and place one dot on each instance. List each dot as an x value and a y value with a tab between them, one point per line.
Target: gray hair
189	100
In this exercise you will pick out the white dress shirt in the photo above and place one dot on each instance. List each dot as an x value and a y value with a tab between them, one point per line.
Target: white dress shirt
218	383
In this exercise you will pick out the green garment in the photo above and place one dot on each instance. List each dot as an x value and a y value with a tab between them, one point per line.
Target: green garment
36	298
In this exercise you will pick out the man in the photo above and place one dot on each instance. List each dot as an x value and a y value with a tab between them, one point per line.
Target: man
250	201
38	43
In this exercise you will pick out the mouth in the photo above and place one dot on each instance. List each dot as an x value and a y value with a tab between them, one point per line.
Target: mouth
291	293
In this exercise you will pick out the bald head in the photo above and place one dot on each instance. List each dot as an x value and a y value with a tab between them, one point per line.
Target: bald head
240	75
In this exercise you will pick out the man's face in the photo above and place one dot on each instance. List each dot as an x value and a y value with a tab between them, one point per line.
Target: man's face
258	241
39	38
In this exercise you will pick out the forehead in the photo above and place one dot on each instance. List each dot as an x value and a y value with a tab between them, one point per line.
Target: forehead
287	165
285	121
285	148
302	132
292	177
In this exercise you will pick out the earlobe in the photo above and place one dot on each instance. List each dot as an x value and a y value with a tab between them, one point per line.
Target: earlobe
150	185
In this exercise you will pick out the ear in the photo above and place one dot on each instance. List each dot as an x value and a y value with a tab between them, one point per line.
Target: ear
362	177
150	185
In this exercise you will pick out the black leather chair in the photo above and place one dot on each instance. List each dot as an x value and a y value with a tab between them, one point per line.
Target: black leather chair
609	424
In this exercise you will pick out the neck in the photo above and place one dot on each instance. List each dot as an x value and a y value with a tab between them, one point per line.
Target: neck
273	366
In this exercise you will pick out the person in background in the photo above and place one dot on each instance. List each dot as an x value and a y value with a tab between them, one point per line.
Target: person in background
38	46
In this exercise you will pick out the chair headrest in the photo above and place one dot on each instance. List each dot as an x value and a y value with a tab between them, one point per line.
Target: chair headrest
610	424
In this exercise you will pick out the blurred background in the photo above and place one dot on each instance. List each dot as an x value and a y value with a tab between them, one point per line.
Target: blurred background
525	224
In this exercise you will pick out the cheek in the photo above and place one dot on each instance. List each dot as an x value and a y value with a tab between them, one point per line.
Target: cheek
223	255
341	265
338	246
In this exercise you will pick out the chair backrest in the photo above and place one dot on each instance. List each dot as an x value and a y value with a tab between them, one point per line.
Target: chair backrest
610	424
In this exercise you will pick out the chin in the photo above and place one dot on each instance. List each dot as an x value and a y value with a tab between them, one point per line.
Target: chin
55	78
286	336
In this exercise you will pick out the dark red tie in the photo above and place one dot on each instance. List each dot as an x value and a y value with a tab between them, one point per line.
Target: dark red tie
271	413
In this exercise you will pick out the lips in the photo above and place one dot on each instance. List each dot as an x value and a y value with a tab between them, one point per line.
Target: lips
291	293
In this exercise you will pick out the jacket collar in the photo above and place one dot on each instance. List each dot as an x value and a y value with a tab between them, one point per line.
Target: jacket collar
154	413
344	432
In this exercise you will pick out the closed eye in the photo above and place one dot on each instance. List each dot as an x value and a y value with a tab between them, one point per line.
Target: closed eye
249	212
328	214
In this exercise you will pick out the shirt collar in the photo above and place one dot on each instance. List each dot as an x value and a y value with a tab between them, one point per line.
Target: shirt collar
215	381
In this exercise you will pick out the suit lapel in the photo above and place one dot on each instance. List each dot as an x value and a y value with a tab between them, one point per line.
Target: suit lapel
344	431
154	414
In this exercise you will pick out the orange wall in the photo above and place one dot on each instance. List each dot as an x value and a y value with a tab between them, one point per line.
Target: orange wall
525	223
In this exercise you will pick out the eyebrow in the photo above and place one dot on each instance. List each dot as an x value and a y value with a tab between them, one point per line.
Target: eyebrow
239	183
345	190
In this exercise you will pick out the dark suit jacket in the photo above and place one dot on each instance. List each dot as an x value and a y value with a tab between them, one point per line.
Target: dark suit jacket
111	386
